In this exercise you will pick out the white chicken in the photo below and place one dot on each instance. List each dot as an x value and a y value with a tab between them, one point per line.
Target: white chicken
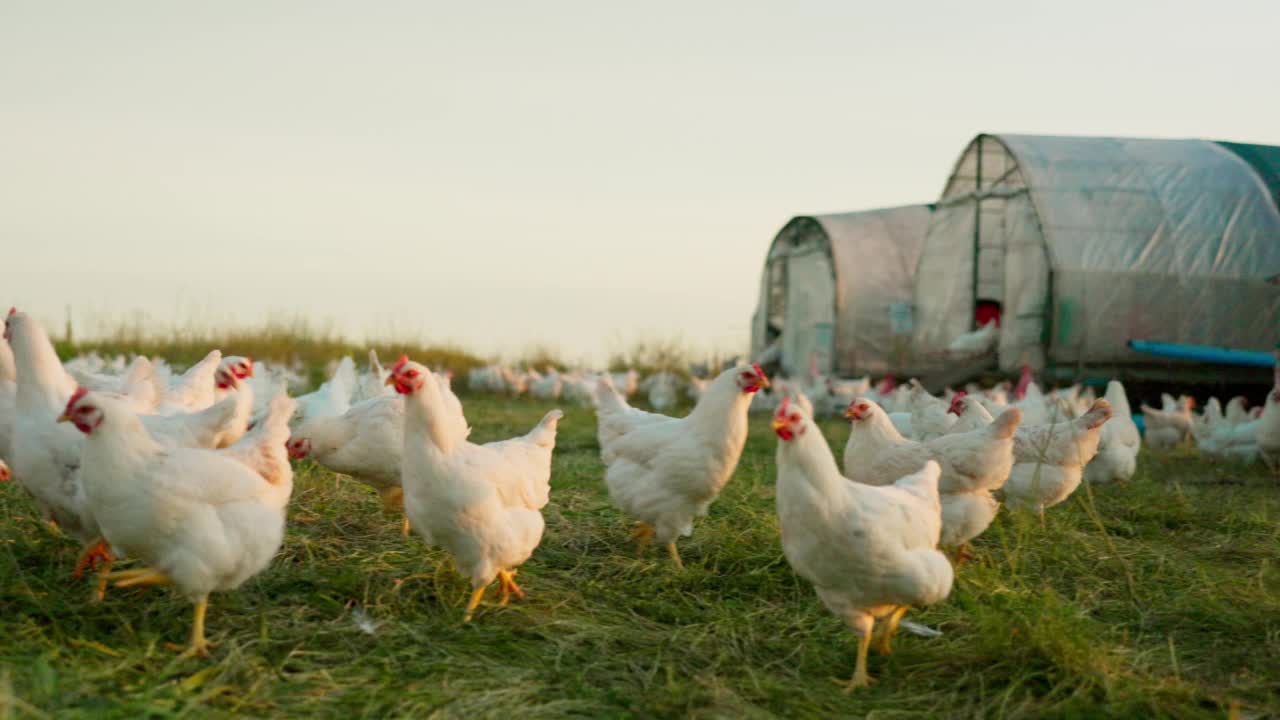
663	389
481	503
869	551
222	422
193	391
995	399
8	396
578	387
884	394
1036	409
267	382
548	386
373	383
262	449
1227	441
1049	459
44	456
197	520
365	442
970	411
1268	432
241	368
1118	445
486	379
1212	414
139	385
1237	410
229	380
975	342
1170	426
333	397
626	383
974	464
929	415
663	471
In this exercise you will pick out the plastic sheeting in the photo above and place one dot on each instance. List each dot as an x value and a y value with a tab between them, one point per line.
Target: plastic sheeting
835	289
1102	240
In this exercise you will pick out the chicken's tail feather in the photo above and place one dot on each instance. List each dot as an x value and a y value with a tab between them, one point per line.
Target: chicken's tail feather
608	401
1007	423
1098	414
262	449
544	434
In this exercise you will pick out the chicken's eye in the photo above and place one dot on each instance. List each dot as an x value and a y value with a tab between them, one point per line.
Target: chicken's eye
794	418
411	373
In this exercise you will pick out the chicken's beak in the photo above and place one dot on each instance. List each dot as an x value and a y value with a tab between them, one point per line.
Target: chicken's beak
391	380
764	382
64	418
854	413
778	424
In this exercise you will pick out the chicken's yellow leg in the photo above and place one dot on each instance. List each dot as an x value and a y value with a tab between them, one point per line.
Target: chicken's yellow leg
507	581
100	589
406	528
199	646
131	573
476	596
95	553
392	498
860	678
890	627
675	555
643	535
141	576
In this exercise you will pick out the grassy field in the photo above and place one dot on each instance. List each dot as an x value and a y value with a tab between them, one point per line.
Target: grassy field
1157	598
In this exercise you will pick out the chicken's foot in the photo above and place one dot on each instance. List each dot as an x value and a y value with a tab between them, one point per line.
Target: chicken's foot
139	576
890	627
476	596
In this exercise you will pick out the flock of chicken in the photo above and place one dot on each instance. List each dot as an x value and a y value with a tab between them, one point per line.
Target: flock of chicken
1238	433
189	476
662	389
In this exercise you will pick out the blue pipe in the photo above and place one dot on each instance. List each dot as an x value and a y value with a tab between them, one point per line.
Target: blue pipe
1205	354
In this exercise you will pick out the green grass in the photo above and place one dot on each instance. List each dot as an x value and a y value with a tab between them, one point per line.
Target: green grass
1157	598
280	341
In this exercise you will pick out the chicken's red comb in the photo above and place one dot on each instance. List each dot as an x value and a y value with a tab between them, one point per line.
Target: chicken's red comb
758	369
75	397
404	359
785	406
13	310
957	403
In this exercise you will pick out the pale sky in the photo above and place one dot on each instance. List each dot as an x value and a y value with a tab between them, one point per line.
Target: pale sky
574	174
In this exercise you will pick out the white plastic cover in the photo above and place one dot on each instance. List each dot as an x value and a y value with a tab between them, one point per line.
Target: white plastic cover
1170	240
853	274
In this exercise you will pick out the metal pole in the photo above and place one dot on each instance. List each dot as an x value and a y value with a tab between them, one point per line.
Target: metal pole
977	235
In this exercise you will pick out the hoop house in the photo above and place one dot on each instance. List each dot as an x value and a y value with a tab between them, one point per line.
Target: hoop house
837	289
1086	243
